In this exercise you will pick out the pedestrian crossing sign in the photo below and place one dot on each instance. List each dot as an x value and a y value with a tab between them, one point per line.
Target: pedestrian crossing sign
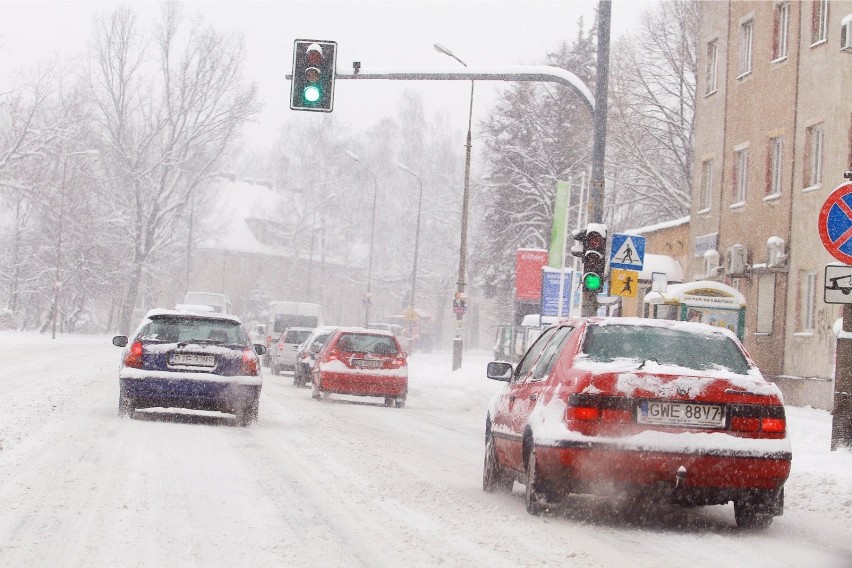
623	283
628	252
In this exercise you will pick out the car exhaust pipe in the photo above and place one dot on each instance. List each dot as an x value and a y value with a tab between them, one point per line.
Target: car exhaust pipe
680	477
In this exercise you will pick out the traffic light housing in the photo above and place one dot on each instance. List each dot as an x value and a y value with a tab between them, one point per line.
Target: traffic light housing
594	257
314	69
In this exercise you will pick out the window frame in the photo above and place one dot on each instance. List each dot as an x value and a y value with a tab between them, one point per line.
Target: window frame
775	166
711	71
746	47
819	22
807	300
740	175
780	31
814	147
705	197
765	304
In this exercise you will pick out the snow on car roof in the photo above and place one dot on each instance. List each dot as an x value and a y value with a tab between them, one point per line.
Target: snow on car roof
155	312
365	331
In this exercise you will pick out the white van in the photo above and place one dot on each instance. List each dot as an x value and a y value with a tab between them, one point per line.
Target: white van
219	302
283	315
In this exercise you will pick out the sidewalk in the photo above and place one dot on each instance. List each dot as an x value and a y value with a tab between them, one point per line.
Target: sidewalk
799	391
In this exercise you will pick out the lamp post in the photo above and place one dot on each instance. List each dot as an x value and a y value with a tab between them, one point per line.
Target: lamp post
368	300
57	283
416	235
458	342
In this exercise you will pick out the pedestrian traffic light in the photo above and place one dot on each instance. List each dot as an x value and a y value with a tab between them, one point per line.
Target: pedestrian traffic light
314	69
594	257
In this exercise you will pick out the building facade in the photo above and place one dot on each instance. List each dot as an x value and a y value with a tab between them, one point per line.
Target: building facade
772	140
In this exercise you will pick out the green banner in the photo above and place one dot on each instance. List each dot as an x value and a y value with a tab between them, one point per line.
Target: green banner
557	231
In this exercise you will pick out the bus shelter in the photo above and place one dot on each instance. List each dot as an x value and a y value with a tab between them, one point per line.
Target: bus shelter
702	301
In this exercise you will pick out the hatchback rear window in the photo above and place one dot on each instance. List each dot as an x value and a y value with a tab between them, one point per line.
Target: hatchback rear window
296	336
179	329
364	343
700	351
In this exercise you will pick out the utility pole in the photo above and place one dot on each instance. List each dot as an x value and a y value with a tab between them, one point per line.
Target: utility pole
596	184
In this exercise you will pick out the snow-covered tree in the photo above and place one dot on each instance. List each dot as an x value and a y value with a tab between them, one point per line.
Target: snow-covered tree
167	108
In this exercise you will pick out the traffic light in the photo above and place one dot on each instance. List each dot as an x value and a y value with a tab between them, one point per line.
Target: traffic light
314	68
594	257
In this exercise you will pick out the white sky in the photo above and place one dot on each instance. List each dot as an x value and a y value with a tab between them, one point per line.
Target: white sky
378	33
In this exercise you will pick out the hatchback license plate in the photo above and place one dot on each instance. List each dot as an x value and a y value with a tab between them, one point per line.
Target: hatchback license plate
680	414
367	363
192	360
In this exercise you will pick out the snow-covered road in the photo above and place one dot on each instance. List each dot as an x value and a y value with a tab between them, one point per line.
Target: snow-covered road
342	482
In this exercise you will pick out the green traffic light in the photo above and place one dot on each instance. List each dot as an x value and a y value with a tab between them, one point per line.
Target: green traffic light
311	93
592	281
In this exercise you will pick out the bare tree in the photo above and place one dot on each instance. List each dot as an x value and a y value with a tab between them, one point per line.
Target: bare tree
168	110
652	117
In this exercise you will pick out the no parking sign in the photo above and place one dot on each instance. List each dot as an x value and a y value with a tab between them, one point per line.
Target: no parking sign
835	223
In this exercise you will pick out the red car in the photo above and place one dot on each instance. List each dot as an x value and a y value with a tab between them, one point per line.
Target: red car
365	362
669	410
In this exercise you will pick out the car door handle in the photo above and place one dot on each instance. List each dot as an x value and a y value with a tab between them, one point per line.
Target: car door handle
533	396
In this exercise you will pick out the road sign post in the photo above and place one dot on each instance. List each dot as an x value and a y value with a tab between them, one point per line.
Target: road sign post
835	232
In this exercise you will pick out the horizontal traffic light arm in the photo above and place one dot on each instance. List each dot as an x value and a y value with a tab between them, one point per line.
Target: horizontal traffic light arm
523	73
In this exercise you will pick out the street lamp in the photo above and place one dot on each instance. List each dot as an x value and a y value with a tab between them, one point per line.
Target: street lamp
57	283
368	300
458	342
416	235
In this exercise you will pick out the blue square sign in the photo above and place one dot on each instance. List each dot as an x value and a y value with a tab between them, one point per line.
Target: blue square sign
628	252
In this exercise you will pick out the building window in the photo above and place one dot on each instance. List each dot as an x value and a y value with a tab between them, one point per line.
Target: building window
746	37
740	175
813	156
807	299
780	27
819	21
712	64
774	164
765	302
706	189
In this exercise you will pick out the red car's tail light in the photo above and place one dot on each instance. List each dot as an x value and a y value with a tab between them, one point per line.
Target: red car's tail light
758	419
593	408
743	424
776	425
249	365
583	413
134	355
280	346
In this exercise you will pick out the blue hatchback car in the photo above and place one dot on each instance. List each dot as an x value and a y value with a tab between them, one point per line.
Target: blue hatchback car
199	361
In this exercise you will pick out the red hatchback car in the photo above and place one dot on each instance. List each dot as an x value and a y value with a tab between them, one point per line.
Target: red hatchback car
673	411
365	362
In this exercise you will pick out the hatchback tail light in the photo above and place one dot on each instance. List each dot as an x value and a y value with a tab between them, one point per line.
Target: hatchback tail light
249	364
280	346
758	419
134	355
596	408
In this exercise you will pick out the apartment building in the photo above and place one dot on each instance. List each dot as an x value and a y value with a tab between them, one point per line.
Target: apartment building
773	139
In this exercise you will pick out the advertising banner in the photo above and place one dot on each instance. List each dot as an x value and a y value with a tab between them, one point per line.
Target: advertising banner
550	293
557	230
528	263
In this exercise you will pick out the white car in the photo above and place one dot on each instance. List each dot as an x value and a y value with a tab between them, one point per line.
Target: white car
284	350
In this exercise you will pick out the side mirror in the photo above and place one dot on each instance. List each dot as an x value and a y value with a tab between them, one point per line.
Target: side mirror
260	349
119	340
315	348
499	371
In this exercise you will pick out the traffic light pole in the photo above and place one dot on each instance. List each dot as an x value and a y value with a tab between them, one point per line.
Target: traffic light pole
596	185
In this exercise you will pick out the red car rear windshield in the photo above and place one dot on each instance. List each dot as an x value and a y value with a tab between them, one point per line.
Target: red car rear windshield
365	343
700	351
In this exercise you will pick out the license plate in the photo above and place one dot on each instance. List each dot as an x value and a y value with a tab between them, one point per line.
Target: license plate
681	414
192	360
367	363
